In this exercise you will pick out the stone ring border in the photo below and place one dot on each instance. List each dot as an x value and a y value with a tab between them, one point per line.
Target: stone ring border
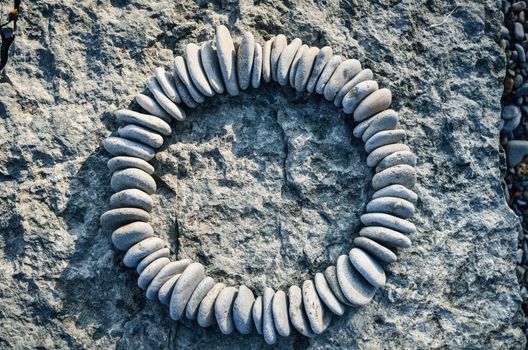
183	284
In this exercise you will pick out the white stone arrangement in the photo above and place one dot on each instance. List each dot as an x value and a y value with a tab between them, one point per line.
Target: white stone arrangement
182	284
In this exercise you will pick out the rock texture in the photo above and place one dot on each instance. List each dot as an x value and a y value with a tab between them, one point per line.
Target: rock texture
265	188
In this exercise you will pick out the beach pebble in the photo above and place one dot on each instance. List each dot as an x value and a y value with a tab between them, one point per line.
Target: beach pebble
256	71
355	287
520	53
141	134
132	198
150	271
243	309
510	112
245	55
398	191
268	328
280	314
126	236
516	150
256	312
206	311
132	178
165	292
321	60
386	120
327	73
189	279
151	122
304	68
404	175
166	82
368	267
386	236
118	146
347	70
196	72
364	75
181	69
170	107
388	221
191	310
285	61
160	253
383	138
184	93
330	274
123	162
391	205
166	273
381	152
224	310
225	50
384	255
141	249
357	94
518	31
212	67
327	296
296	312
314	308
374	103
295	63
266	60
150	105
511	124
114	218
396	158
277	47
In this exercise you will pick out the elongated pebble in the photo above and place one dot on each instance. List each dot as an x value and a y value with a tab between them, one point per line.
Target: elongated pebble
396	158
381	152
355	287
296	312
266	60
330	274
185	95
381	253
327	72
181	69
140	134
189	279
374	103
321	60
166	82
347	70
168	271
364	75
148	274
225	50
268	327
280	314
160	253
150	105
165	292
211	67
256	71
358	93
206	312
388	221
243	309
327	296
126	236
245	55
368	267
191	310
404	175
146	120
285	61
256	312
132	178
123	162
385	120
314	308
118	146
141	249
277	47
304	68
132	198
383	138
391	205
170	107
195	68
224	310
295	63
386	236
114	218
398	191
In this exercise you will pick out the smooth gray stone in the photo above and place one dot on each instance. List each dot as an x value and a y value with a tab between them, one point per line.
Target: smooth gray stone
327	296
225	50
142	249
132	198
212	67
118	146
126	236
374	103
256	312
165	292
277	47
397	158
381	152
285	61
181	69
297	314
384	255
114	218
368	267
191	310
152	107
386	120
516	150
268	327
206	312
194	66
383	138
166	82
149	121
123	162
295	63
386	236
347	70
398	191
160	253
132	178
266	60
355	287
280	314
190	278
245	55
388	221
331	278
364	75
327	73
404	175
243	309
224	310
304	68
140	134
357	94
168	271
321	60
170	107
150	271
184	93
256	71
391	205
315	310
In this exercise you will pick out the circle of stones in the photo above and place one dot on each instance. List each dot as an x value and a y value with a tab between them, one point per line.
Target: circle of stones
182	284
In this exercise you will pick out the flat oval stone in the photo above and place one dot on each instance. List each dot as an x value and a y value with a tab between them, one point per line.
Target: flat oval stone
383	138
379	153
391	205
114	218
304	68
148	274
327	72
374	103
170	107
327	296
397	158
189	279
355	287
165	292
166	273
166	82
266	60
295	63
132	178
184	93
123	162
224	310
245	55
132	198
386	120
277	47
357	94
256	312
388	221
191	310
118	146
181	69
206	312
321	60
141	249
386	236
243	309
150	105
285	61
197	74
146	261
368	267
297	314
315	310
256	71
280	314
126	236
382	254
268	327
331	278
399	174
398	191
347	70
225	50
364	75
140	134
211	67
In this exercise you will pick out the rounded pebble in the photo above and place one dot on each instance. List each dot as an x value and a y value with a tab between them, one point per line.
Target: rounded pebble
150	105
151	122
327	73
331	278
304	68
126	236
381	152
141	249
185	95
386	120
378	251
388	221
225	50
396	158
321	60
150	271
364	75
398	191
206	311
296	311
166	82
191	310
245	55
357	94
383	138
189	279
132	198
347	70
327	296
374	103
170	107
386	236
114	218
285	61
266	60
181	69
197	74
132	178
118	146
277	47
314	308
141	134
243	309
212	67
168	271
404	175
368	267
256	312
165	292
123	162
510	112
268	328
295	63
391	205
224	310
280	314
355	287
256	72
160	253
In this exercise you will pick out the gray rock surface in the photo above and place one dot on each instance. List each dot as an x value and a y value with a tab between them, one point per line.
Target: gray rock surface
264	189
